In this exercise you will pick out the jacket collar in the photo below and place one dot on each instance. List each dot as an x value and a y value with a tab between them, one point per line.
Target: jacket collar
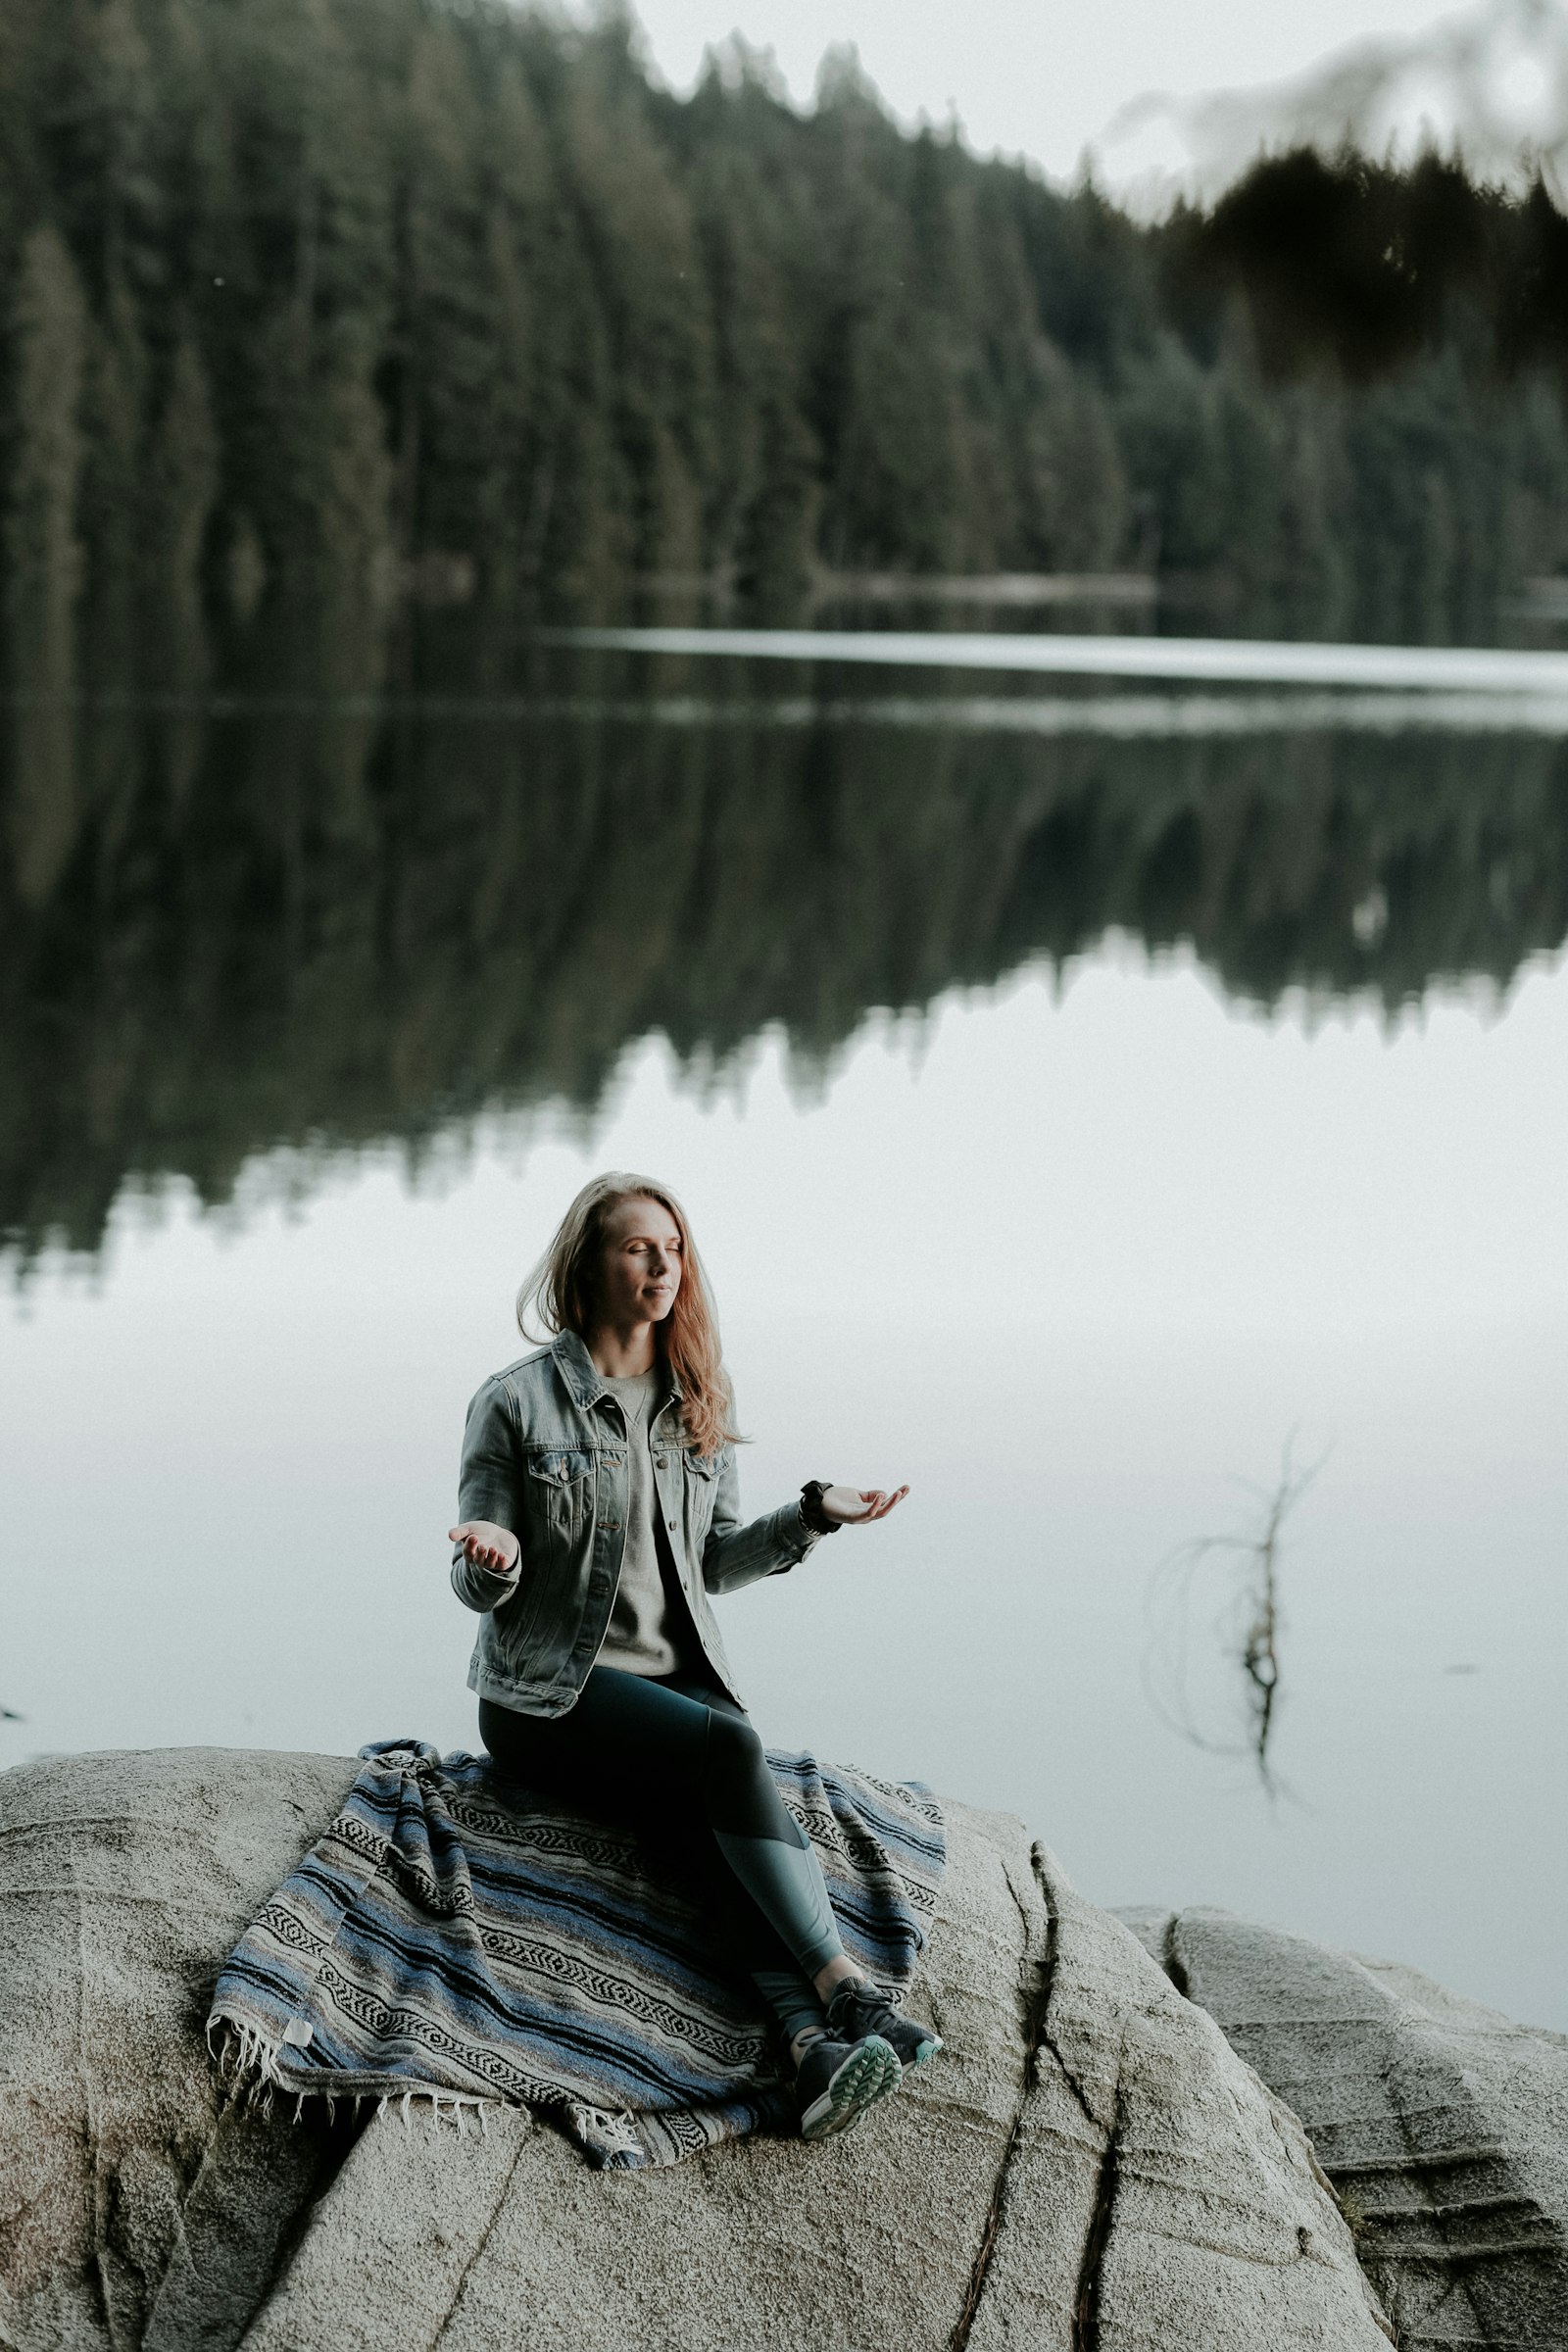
583	1378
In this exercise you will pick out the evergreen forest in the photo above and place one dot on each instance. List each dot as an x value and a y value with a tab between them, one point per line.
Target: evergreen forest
344	340
318	313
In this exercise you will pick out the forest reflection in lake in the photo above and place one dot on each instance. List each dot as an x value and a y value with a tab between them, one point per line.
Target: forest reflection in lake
1226	1101
280	921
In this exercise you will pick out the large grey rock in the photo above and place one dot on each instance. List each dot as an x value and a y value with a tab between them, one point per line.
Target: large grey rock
135	2206
1089	2165
1443	2125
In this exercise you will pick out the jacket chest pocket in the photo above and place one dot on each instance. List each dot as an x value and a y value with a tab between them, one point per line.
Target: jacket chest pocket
558	1494
700	1477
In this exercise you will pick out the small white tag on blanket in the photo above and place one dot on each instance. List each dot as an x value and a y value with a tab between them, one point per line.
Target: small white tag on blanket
298	2032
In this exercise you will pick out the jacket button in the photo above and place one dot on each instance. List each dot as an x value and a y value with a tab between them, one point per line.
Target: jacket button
672	1524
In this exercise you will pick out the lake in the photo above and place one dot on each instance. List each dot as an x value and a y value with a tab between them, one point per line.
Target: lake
1100	1098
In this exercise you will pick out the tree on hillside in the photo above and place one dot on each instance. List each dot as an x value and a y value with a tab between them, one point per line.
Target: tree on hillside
49	331
455	301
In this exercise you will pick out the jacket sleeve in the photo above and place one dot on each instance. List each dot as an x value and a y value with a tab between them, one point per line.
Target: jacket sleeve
734	1555
487	1489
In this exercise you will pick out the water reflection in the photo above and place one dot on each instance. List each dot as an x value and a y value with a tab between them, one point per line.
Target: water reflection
1246	1629
277	921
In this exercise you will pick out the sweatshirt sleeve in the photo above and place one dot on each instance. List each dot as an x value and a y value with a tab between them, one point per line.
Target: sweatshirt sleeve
487	1489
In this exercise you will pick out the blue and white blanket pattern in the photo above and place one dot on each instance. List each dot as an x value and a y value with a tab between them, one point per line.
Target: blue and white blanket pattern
451	1939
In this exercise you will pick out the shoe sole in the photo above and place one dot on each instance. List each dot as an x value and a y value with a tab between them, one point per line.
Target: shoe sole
870	2072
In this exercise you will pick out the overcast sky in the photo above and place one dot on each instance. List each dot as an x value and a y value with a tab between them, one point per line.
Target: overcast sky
1036	77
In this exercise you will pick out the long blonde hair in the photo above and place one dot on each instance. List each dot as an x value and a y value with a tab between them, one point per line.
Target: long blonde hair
559	1294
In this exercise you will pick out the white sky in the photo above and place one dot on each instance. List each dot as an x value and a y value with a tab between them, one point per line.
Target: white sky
1035	77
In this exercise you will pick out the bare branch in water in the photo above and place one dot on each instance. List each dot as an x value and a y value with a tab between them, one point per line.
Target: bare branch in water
1249	1623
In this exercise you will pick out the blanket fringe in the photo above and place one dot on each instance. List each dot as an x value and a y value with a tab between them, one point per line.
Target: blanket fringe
247	2063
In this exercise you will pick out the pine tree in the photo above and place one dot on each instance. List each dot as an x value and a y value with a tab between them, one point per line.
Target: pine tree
112	502
358	584
182	483
43	556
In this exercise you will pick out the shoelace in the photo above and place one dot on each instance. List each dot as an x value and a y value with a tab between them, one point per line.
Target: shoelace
856	1997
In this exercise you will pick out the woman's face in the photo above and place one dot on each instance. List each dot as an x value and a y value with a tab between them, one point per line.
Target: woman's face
640	1264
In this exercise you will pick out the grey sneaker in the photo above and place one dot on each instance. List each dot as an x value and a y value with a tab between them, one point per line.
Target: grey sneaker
836	2082
857	2010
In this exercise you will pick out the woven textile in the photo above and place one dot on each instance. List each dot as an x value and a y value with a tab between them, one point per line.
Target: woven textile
450	1937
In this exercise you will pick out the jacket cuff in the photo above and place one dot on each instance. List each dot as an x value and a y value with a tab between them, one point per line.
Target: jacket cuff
795	1531
481	1589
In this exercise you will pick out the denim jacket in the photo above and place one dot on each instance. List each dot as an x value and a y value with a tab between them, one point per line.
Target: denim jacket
545	1453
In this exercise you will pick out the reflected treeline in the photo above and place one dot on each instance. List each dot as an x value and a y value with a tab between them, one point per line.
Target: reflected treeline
285	924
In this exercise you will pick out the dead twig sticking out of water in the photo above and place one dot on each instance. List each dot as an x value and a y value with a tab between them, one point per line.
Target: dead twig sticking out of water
1248	1624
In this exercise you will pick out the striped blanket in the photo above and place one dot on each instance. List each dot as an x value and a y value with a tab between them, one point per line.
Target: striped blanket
452	1939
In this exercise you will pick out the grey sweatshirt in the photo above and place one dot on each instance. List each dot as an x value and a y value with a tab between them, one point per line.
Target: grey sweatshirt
644	1635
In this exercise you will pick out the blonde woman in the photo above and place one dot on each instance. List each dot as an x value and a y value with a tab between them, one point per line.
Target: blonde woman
597	1502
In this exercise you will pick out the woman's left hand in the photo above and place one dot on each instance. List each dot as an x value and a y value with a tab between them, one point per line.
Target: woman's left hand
856	1506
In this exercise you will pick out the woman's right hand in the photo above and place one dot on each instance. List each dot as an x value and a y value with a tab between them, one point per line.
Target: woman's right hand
486	1546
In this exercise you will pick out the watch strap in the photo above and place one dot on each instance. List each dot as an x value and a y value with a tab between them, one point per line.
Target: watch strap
811	1511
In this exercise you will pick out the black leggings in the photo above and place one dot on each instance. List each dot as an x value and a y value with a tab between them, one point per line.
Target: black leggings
680	1761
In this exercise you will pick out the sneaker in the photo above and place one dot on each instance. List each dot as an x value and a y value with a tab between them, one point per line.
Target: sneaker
836	2082
857	2010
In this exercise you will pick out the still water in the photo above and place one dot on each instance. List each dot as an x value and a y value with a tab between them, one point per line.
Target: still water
1091	1108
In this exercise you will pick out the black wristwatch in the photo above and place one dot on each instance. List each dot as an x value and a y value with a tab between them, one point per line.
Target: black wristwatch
811	1511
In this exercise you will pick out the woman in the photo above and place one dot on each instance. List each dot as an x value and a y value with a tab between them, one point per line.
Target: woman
598	1510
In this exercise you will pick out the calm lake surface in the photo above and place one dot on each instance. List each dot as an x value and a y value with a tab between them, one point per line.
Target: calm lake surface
1096	1099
